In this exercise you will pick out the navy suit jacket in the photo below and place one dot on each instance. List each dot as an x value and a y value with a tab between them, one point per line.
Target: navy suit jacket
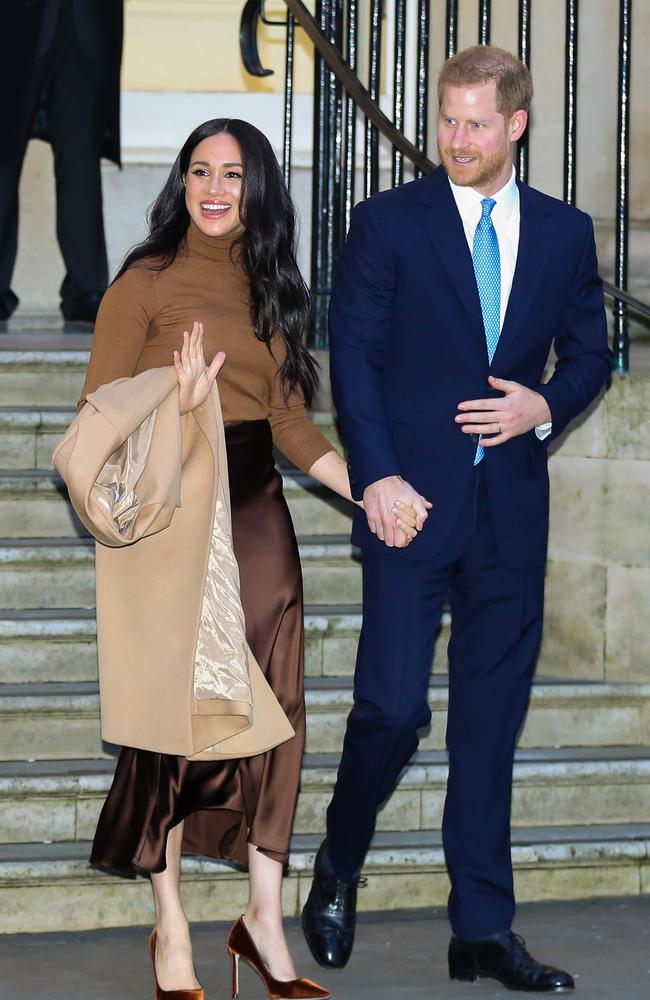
408	344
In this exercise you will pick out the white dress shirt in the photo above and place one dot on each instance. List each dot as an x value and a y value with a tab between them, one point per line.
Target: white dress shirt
505	219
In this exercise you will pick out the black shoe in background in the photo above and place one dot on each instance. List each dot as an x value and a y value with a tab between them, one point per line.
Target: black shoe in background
82	309
8	303
504	957
329	915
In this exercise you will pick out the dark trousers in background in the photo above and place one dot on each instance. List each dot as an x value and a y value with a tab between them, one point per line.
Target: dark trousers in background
72	84
496	632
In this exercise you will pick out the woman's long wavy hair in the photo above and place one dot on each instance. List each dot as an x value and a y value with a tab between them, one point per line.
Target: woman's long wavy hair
279	298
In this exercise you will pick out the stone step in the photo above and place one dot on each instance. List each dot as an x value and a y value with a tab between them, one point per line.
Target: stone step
34	504
40	573
52	888
28	436
47	573
561	714
45	802
60	645
61	721
38	378
37	647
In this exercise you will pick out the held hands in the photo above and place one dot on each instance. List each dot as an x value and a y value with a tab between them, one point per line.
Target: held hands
519	411
194	377
395	511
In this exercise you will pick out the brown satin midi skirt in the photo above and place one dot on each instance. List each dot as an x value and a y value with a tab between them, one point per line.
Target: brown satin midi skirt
227	804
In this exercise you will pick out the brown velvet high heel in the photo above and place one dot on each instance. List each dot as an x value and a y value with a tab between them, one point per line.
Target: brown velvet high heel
158	992
241	945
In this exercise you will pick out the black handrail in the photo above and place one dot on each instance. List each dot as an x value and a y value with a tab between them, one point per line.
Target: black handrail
356	90
620	296
349	80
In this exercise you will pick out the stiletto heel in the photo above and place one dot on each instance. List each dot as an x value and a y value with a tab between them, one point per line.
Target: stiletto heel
235	974
158	992
241	945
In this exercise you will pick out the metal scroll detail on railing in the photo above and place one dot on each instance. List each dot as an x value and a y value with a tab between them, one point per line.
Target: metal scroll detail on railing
339	94
348	79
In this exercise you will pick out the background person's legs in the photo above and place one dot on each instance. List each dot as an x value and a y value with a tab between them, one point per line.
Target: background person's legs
24	94
76	127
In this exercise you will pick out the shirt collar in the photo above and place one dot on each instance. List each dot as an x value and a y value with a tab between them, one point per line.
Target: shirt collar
468	200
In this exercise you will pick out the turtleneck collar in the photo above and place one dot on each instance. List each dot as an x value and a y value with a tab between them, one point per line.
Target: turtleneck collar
211	247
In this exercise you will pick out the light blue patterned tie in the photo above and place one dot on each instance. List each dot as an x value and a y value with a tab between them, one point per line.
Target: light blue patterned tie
487	268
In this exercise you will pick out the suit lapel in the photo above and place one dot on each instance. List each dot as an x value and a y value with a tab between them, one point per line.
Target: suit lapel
535	241
445	230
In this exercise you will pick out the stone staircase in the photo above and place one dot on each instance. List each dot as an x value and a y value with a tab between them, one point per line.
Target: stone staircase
581	811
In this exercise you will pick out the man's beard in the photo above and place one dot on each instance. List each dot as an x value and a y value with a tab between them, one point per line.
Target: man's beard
484	170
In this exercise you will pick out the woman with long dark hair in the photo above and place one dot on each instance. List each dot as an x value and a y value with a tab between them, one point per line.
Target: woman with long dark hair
219	262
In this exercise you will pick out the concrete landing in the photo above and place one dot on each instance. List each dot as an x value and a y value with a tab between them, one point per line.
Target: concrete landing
605	944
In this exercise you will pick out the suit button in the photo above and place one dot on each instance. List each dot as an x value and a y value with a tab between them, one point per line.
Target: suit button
473	437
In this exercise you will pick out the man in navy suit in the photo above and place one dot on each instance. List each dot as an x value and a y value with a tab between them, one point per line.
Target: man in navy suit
449	295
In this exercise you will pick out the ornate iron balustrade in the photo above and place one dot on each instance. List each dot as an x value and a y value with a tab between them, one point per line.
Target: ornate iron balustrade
339	93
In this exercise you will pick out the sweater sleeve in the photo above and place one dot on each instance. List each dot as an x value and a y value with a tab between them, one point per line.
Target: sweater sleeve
293	432
121	329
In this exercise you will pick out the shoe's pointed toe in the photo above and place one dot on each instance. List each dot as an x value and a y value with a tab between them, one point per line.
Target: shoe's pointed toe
316	992
556	981
301	989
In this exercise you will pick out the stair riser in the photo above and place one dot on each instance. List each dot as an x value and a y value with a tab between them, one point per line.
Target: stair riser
32	449
49	515
100	901
73	732
37	586
42	660
602	799
34	516
335	655
547	725
27	450
38	388
50	736
70	585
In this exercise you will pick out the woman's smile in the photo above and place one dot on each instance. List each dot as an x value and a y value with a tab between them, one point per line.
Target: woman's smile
214	209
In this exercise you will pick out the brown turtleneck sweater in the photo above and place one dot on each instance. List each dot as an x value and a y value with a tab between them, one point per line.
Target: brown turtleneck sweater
141	322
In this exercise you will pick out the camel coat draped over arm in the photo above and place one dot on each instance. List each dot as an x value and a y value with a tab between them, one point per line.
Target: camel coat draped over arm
176	673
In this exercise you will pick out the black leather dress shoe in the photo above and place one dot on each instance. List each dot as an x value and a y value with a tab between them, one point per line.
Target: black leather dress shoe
329	915
505	958
82	309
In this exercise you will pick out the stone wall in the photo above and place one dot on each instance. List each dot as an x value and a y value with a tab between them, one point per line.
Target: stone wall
598	583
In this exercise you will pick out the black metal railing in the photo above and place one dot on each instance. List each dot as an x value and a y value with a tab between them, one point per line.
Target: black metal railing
339	95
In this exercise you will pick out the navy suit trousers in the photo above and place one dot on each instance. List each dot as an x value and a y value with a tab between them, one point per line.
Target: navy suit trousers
497	617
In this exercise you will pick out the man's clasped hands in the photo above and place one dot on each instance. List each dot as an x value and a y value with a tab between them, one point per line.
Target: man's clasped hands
396	512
